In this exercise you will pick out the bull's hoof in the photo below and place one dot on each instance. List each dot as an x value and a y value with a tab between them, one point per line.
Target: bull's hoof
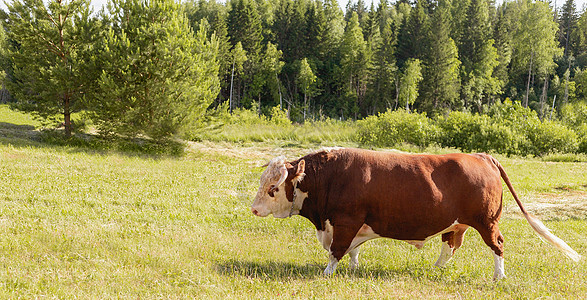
329	271
498	276
353	265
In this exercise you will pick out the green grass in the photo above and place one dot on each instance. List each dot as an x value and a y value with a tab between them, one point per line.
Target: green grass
107	224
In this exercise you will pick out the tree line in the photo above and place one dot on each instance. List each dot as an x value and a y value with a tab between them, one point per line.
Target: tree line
155	66
431	56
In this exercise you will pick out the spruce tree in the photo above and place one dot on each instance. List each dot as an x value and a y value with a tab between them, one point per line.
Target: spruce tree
332	83
213	15
567	23
354	63
579	38
244	25
478	57
412	39
382	79
441	74
502	35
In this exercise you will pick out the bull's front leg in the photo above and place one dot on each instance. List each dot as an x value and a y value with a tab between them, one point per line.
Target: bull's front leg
354	255
331	267
342	238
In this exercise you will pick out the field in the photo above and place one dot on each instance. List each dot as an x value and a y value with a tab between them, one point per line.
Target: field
86	223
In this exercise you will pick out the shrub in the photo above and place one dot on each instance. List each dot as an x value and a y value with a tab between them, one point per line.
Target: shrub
461	130
279	116
473	133
394	128
582	138
574	115
499	138
551	137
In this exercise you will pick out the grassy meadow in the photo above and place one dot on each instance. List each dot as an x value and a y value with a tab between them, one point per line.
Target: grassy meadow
84	223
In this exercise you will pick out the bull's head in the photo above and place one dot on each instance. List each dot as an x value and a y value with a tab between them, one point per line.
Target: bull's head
271	197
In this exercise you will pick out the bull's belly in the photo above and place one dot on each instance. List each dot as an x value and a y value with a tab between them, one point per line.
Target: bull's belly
419	243
367	233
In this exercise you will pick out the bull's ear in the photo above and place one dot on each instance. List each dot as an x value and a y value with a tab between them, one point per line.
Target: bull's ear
301	167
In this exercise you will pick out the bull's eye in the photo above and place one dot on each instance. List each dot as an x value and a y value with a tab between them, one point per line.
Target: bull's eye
272	190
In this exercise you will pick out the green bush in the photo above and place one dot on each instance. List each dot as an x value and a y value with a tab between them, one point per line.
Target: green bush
394	128
573	115
474	133
279	116
551	137
499	138
582	138
461	130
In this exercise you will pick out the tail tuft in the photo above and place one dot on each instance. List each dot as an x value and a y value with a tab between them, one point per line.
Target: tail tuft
545	233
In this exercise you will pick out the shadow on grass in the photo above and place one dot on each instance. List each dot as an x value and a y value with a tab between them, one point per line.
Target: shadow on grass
273	270
268	270
27	136
18	133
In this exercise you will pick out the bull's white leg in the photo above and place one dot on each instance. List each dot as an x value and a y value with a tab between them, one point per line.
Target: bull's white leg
446	253
333	262
499	272
354	255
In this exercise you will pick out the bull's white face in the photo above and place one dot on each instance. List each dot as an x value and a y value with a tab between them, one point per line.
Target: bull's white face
271	198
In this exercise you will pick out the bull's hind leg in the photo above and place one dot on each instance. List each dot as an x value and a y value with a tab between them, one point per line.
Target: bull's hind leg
451	241
493	238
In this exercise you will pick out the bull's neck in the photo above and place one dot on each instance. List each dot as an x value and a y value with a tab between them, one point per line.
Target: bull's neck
311	209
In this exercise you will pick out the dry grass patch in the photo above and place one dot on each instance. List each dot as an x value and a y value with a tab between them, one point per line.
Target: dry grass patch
552	206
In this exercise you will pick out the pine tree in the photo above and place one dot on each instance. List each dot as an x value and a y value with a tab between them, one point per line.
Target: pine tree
214	17
158	77
49	77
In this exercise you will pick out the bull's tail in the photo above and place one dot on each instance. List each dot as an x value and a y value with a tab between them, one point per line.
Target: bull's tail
536	224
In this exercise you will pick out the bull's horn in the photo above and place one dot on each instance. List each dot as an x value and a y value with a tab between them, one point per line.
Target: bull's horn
283	171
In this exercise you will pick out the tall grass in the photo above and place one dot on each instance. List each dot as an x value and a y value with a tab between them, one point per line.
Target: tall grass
243	126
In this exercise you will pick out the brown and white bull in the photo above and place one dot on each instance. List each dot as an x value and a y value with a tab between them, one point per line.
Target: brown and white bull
353	195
